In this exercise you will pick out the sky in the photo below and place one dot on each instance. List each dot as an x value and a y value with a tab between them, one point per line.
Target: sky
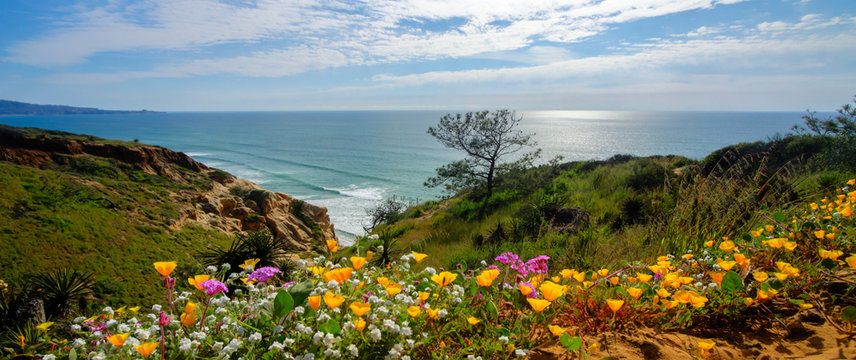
235	55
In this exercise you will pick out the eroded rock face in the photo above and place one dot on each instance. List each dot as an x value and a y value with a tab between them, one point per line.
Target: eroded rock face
222	209
231	205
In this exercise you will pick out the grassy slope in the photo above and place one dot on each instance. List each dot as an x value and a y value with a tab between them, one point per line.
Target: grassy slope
52	218
637	208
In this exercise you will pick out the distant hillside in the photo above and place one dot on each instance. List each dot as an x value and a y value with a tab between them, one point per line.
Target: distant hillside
20	108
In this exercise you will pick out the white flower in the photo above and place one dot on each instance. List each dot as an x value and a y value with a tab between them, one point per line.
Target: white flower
521	353
49	357
79	319
185	345
301	263
255	337
123	328
156	308
353	350
375	334
211	268
226	266
75	327
332	284
503	339
78	343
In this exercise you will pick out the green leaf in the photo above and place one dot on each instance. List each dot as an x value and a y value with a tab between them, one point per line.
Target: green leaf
848	314
571	343
267	309
765	287
779	217
331	327
282	304
72	355
747	237
731	282
300	292
492	310
829	264
422	286
776	284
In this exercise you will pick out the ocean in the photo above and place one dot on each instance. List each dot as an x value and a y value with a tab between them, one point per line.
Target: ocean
348	161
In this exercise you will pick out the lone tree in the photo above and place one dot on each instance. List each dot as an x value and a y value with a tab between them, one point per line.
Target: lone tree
486	137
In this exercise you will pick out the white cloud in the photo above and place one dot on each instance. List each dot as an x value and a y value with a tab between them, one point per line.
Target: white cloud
365	31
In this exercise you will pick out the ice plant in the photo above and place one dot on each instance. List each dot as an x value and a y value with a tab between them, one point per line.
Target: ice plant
118	339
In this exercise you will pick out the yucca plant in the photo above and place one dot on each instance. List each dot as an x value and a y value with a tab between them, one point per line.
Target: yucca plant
60	288
255	245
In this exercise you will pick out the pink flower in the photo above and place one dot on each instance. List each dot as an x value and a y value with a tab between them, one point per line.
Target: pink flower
213	287
538	264
264	274
507	258
164	319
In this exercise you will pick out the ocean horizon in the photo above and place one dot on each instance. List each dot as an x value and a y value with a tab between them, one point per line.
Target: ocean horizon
348	161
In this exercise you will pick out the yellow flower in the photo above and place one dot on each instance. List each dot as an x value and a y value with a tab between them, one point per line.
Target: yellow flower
333	245
414	311
393	288
748	301
705	344
556	330
525	289
769	228
333	300
359	308
473	321
418	256
603	272
851	182
369	255
382	281
165	267
593	349
669	304
645	278
813	206
359	324
444	278
538	304
580	276
188	318
790	246
805	306
146	349
614	305
487	277
614	280
317	270
340	275
687	256
726	265
249	262
727	246
432	313
134	309
760	276
198	279
717	276
820	234
851	260
776	243
635	292
189	307
314	302
44	326
663	293
567	273
551	290
423	295
358	262
708	243
118	339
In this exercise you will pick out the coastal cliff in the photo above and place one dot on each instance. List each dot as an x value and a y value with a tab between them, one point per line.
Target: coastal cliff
225	203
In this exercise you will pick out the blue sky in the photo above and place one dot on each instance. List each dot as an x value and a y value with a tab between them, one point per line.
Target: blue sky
212	55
